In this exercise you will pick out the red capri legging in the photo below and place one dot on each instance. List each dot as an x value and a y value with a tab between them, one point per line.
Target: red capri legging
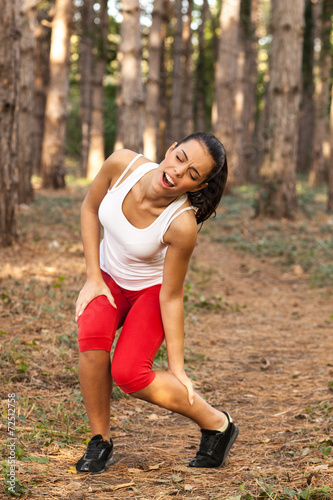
139	313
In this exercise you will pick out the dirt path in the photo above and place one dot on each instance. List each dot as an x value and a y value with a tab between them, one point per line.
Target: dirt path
259	344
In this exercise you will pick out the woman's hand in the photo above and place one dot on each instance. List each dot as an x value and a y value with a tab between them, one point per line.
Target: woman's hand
187	383
91	290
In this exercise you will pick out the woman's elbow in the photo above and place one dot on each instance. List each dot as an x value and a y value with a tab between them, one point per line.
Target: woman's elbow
171	296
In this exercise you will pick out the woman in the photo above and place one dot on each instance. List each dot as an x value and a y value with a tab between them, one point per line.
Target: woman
135	279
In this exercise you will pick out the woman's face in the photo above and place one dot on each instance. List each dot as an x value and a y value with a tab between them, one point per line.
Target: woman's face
184	168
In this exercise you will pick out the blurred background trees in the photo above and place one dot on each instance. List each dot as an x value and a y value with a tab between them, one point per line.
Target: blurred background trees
80	78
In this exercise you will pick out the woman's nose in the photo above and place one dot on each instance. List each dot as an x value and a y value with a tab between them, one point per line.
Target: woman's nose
179	171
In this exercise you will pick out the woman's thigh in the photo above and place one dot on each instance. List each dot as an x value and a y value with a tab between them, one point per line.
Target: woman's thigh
100	320
141	337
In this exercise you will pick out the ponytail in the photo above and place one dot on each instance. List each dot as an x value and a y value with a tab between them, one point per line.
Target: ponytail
206	200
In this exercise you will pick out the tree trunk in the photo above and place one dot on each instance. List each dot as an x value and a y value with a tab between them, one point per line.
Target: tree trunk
187	86
176	92
42	76
9	111
322	93
86	70
164	104
330	165
201	78
306	125
225	76
277	196
97	143
53	153
153	84
26	132
236	156
247	157
131	98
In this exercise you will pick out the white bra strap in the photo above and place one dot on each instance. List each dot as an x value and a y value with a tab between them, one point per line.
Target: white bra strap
173	218
125	171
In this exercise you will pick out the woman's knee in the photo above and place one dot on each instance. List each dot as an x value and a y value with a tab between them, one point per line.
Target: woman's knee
97	325
131	377
96	357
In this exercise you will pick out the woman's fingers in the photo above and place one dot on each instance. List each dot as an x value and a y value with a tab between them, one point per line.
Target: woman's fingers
109	296
87	295
187	383
80	307
190	391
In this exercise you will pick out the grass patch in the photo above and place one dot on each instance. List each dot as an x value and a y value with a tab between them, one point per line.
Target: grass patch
305	244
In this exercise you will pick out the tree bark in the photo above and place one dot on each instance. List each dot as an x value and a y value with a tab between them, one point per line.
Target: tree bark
247	159
86	76
42	76
26	132
176	92
9	110
150	137
306	125
201	78
131	97
187	86
53	152
330	165
322	94
225	76
97	143
163	143
277	195
236	157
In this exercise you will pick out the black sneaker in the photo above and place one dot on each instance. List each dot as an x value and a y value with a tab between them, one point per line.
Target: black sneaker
215	446
97	457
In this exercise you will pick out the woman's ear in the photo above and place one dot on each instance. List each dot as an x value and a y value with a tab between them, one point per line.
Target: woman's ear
171	148
201	186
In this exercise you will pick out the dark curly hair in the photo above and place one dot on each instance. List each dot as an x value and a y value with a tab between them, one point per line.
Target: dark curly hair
206	200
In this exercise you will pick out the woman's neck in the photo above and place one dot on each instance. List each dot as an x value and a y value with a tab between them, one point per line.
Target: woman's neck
147	193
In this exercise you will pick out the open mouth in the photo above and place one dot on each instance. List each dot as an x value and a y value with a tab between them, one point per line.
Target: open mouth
167	180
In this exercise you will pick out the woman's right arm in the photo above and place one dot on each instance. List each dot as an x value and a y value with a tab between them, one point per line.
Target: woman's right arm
90	229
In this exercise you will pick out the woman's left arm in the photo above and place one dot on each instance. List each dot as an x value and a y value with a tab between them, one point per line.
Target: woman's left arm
181	238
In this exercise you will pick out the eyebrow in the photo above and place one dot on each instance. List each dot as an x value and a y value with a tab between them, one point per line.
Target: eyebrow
191	167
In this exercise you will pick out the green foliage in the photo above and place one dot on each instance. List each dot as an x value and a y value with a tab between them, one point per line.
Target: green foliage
161	358
110	124
275	492
320	409
303	243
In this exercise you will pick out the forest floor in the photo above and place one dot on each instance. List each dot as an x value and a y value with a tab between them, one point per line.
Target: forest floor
259	343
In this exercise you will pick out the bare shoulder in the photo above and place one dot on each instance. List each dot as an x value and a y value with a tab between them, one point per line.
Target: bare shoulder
183	232
118	161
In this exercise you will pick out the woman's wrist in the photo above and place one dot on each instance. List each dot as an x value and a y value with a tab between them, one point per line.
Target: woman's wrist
94	274
176	368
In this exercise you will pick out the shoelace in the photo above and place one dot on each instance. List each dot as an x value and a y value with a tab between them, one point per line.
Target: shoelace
94	449
206	444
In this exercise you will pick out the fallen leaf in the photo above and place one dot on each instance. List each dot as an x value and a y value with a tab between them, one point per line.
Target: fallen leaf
312	480
188	487
72	469
265	364
176	479
298	270
154	467
53	449
77	495
321	467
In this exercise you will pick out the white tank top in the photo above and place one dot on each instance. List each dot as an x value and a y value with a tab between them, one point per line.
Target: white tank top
134	257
